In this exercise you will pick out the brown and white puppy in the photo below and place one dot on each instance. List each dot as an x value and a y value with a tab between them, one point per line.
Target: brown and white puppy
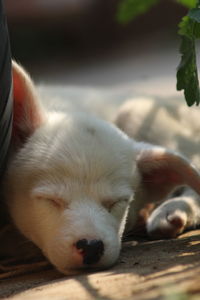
74	182
172	124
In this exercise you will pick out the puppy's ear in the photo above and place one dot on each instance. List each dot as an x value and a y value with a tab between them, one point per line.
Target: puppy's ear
162	170
27	114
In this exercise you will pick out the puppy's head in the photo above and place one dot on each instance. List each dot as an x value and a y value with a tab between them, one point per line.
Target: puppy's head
72	179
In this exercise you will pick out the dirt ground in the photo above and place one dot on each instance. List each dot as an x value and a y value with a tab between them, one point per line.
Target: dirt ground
167	269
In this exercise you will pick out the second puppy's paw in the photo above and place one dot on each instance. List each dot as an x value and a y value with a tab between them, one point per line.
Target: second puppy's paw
170	219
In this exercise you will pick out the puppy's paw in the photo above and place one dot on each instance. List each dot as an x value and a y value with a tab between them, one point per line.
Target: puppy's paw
170	219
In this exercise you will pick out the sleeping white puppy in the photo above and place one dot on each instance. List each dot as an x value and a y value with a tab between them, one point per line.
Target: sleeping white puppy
75	183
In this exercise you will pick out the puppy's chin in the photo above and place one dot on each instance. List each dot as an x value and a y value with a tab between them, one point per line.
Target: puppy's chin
71	262
83	269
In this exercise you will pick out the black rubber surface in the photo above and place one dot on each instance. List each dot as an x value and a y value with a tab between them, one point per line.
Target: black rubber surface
5	89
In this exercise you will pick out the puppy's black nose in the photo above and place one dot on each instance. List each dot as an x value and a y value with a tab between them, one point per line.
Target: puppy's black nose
92	250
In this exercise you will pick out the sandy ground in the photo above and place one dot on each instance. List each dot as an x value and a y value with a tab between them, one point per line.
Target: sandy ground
168	269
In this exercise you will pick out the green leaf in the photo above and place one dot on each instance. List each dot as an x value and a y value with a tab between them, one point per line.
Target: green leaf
185	27
188	3
194	14
187	76
189	27
130	9
187	73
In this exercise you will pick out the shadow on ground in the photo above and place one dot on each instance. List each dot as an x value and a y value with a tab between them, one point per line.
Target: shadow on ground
145	270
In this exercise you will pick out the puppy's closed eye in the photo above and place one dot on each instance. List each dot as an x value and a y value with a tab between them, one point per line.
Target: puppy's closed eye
53	200
110	204
57	202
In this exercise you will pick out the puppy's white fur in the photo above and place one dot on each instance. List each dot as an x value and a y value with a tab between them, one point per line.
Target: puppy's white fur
72	176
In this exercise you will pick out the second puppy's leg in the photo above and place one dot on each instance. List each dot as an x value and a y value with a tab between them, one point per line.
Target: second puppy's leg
175	215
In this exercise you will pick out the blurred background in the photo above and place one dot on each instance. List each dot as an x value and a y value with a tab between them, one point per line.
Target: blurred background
80	42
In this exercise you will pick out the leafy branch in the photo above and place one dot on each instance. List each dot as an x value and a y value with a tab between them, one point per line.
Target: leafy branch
130	9
187	73
189	30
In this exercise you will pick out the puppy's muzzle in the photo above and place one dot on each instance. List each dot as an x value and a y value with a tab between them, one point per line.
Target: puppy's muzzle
91	250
